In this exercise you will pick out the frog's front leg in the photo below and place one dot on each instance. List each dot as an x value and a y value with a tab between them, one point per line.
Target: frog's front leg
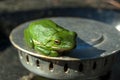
46	51
28	39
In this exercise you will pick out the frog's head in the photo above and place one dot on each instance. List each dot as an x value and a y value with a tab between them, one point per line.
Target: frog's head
63	41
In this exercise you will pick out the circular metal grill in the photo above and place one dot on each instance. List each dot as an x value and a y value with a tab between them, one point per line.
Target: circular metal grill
85	69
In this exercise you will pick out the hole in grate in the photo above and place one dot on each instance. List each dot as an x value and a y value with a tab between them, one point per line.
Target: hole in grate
81	67
37	63
51	66
94	65
66	68
27	58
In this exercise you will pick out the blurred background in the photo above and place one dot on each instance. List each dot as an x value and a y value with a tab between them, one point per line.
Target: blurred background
16	12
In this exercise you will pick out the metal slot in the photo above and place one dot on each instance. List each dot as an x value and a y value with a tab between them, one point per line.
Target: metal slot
81	67
94	65
38	63
66	68
51	67
27	59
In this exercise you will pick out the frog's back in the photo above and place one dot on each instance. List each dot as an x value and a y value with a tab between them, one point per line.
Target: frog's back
42	30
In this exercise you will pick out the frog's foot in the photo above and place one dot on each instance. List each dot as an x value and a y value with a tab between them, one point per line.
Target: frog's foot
54	54
46	52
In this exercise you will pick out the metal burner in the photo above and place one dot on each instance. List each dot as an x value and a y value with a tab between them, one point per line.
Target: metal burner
97	46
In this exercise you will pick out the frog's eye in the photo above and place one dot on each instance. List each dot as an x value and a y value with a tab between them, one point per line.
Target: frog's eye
57	42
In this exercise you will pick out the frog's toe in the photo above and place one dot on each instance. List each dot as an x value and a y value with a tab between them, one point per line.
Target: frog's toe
54	54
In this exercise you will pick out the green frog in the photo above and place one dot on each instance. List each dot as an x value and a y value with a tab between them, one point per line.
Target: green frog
49	38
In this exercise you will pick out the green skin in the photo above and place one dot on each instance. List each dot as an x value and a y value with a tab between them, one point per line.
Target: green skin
48	38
